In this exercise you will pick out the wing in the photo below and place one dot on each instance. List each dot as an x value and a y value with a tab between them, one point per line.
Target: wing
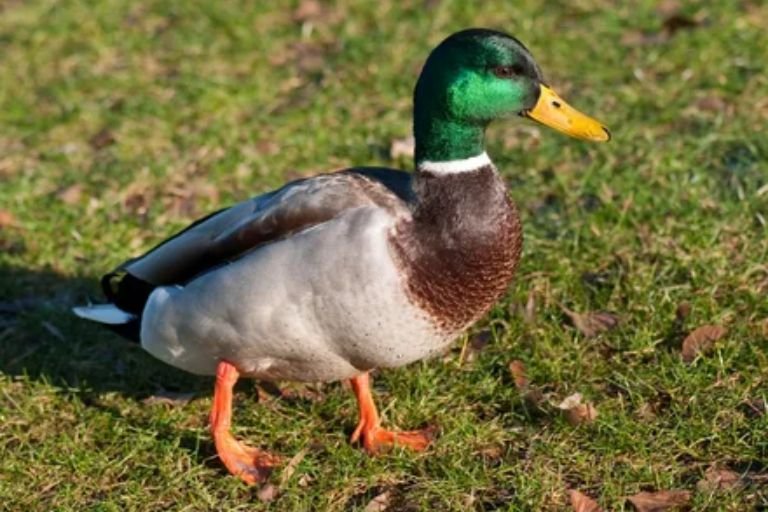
229	233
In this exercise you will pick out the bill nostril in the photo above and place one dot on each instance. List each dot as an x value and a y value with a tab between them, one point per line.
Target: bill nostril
556	104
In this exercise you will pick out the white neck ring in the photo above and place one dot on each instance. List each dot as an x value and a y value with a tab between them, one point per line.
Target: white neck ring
456	166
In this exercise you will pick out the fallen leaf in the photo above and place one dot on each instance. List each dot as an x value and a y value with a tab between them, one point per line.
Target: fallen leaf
716	479
305	480
517	369
576	412
71	194
379	503
491	453
531	394
592	323
668	7
268	493
570	402
701	340
659	501
581	414
401	148
534	397
307	10
711	103
583	503
646	412
102	139
169	398
683	311
7	219
136	203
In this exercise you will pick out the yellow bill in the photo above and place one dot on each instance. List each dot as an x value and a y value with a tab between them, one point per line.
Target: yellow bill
552	111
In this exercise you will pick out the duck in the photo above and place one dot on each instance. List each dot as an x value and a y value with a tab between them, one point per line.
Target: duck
331	277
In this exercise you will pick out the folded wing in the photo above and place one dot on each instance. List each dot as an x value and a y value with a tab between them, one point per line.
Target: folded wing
228	234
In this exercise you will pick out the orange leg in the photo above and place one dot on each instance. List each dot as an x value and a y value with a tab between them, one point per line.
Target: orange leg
369	429
250	464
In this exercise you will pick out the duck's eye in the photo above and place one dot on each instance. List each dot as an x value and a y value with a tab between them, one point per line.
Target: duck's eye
508	71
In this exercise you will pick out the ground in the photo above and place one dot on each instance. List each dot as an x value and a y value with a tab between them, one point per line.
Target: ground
123	121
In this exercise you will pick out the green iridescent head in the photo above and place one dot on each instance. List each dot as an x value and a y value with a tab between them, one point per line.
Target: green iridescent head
474	77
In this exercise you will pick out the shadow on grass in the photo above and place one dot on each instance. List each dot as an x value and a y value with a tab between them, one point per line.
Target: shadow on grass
41	339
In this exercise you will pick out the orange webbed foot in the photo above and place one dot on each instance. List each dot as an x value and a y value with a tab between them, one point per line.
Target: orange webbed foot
369	430
249	464
375	438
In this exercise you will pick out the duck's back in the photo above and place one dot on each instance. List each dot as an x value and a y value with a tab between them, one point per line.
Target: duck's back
228	234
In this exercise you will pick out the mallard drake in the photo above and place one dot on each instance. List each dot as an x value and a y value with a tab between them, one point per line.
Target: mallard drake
330	277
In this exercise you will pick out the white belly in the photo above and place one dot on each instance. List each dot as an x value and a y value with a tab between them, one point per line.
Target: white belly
322	305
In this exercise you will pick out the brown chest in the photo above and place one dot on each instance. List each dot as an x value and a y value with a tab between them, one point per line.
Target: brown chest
460	250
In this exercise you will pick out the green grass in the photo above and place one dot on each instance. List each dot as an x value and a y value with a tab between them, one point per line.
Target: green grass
208	105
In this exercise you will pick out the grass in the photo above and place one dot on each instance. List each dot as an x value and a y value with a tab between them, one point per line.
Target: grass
123	121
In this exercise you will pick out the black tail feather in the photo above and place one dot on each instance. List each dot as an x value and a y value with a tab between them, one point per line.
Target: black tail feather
130	331
126	291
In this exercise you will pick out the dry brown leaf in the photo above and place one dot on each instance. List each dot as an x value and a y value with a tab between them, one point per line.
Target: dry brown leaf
7	219
268	493
716	479
534	396
379	503
70	195
576	412
307	10
581	414
711	103
683	311
137	203
517	369
583	503
668	7
169	398
701	340
102	139
592	323
646	412
659	501
570	402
